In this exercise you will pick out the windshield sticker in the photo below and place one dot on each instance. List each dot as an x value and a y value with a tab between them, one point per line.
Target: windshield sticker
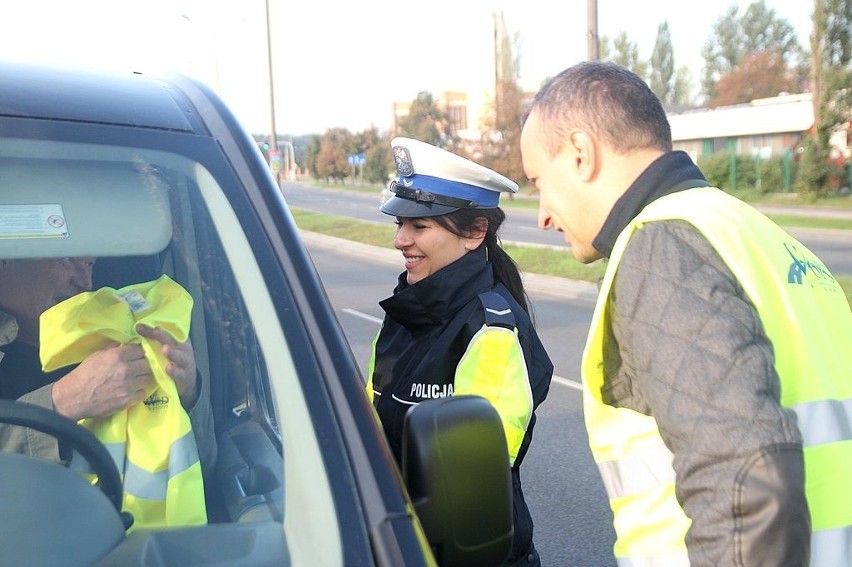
32	221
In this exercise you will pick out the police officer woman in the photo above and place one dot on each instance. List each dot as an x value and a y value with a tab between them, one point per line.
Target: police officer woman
457	321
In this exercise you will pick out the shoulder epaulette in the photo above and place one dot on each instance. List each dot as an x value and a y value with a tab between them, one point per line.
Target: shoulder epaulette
497	310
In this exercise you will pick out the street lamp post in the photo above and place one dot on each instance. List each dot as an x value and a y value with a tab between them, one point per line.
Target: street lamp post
274	152
273	139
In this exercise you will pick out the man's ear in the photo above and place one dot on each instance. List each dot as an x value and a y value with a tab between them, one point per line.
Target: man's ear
584	153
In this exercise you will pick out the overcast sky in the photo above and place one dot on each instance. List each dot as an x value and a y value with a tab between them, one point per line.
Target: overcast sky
341	63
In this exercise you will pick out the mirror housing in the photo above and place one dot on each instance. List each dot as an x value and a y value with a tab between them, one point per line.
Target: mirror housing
455	463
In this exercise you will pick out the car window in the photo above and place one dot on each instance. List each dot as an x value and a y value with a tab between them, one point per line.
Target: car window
167	203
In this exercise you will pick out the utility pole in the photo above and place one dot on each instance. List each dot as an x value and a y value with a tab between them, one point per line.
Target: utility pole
496	71
273	141
592	32
275	161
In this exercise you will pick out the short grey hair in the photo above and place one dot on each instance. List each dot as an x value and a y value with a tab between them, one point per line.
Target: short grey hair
610	102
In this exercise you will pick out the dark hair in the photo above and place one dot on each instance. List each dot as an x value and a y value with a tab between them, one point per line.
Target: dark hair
463	222
606	100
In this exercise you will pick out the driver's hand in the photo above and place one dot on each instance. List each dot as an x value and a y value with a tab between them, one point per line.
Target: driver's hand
181	365
105	382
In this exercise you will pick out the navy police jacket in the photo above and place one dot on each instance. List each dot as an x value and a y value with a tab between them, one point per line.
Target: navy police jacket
429	328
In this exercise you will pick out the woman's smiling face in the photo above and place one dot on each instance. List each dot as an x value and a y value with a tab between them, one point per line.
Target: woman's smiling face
427	246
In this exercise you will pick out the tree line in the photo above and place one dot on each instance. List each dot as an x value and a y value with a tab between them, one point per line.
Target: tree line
749	54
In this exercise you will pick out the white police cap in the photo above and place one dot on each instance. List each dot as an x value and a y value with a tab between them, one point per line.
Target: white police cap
434	182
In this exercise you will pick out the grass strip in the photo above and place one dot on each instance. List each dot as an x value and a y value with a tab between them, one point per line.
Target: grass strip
846	283
535	260
788	221
530	259
795	221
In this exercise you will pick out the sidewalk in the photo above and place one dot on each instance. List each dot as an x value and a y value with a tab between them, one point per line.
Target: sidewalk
562	288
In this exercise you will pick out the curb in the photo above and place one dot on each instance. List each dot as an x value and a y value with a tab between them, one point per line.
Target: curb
562	288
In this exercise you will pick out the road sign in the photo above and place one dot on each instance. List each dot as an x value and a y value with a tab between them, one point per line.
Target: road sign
275	161
356	159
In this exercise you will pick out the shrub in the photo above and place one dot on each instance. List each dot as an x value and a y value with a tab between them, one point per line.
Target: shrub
715	168
813	179
772	177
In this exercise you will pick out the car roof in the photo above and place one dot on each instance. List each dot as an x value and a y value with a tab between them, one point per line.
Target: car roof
83	95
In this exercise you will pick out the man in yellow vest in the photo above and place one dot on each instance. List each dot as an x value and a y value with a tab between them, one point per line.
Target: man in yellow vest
716	373
107	381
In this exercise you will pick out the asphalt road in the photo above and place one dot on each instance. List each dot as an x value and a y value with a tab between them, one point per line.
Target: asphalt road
833	247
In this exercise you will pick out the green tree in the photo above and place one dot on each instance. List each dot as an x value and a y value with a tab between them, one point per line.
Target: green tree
300	147
426	122
831	77
311	153
624	52
735	38
376	150
815	173
333	157
379	164
499	145
682	86
662	80
831	49
604	49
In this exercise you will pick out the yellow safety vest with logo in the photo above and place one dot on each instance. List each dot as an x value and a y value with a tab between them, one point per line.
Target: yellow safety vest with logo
152	442
806	316
494	367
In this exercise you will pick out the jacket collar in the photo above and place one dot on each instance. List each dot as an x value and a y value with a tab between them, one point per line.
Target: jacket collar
671	172
439	297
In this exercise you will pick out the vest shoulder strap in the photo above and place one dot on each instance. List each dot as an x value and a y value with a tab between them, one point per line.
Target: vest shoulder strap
497	310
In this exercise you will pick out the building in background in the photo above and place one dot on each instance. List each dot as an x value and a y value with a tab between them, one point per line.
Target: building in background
456	104
764	127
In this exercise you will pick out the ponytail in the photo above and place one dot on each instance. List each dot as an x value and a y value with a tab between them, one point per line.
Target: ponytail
506	271
463	222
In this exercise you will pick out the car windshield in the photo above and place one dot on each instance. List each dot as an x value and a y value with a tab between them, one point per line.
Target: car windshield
142	204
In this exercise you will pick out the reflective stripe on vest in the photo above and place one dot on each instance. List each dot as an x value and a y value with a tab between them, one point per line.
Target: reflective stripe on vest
493	366
806	316
140	483
151	442
371	366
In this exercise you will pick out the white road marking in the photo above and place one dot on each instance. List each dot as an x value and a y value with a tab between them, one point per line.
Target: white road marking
364	316
558	379
566	382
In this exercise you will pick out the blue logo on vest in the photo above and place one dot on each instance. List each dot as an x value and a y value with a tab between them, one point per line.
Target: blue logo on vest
801	266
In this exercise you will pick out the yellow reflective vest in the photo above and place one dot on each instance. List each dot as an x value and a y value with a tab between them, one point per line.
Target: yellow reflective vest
493	367
806	316
152	442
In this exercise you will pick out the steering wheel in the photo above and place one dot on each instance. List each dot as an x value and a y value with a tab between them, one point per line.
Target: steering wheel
67	431
52	515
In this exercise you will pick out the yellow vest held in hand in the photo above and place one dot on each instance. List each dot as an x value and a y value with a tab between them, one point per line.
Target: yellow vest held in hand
151	442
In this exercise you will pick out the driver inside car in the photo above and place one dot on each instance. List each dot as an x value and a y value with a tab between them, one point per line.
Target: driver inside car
105	382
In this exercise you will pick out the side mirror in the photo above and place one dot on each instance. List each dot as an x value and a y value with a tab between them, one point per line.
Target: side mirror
455	463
